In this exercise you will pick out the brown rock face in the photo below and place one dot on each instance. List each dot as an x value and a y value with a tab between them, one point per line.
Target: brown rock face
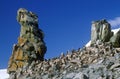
30	46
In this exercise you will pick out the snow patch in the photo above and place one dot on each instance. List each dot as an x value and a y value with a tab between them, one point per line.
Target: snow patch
115	30
4	74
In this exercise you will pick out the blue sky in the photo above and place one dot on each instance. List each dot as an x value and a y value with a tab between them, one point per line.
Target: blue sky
66	23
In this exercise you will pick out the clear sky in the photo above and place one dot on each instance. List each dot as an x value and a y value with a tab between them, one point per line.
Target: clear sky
66	23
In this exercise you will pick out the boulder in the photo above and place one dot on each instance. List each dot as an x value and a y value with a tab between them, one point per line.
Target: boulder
30	46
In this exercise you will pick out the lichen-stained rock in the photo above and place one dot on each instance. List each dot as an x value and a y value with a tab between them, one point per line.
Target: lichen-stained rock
30	46
115	40
101	31
21	41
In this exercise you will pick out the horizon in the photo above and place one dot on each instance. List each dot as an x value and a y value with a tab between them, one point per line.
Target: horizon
66	24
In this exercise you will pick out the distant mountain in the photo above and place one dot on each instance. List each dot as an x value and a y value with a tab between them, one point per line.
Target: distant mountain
4	74
114	30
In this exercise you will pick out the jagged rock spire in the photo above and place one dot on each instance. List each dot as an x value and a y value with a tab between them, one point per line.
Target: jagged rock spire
101	31
30	46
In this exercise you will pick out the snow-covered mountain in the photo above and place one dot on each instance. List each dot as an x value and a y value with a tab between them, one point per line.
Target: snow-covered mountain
4	74
114	30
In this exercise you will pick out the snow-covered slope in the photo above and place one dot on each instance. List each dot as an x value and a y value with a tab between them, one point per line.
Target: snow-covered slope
3	74
114	30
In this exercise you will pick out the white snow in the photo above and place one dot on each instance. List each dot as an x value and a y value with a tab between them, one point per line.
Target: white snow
114	30
88	44
4	74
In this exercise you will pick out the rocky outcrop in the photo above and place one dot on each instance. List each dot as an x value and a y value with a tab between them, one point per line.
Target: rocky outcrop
97	62
101	31
115	40
30	46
